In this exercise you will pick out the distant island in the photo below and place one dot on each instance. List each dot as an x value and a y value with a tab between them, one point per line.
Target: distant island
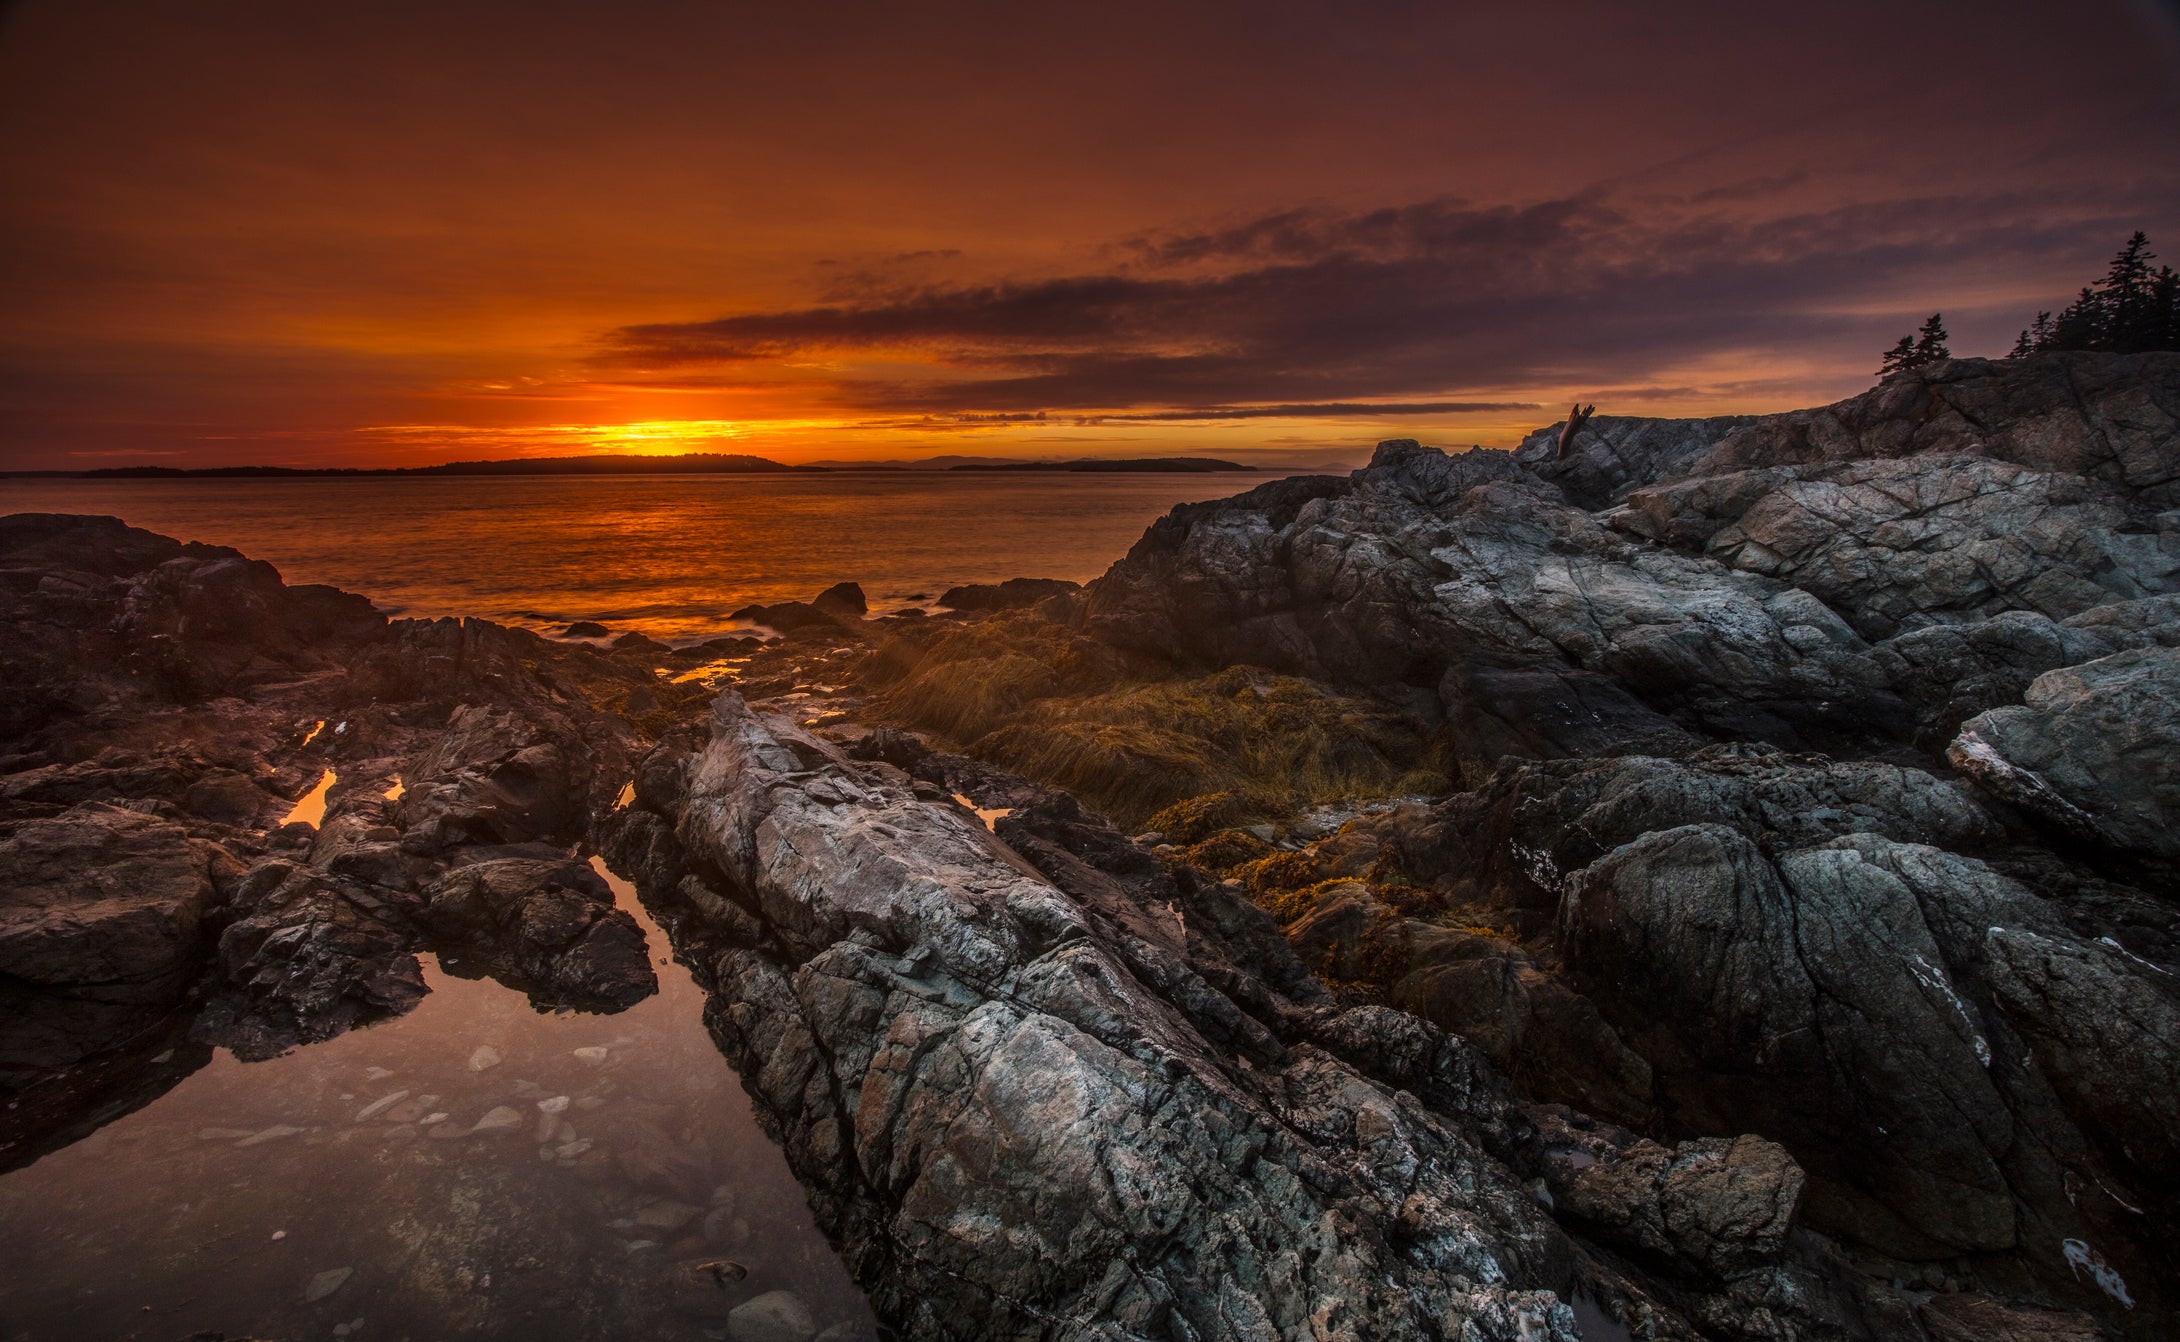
1103	465
692	463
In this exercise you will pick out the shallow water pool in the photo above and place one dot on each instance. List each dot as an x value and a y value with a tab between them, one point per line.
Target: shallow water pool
474	1169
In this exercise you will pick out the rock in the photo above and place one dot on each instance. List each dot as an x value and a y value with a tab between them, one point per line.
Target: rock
641	644
184	694
703	1287
585	629
1924	1034
499	1118
496	776
841	600
593	1054
1414	573
484	1058
1514	842
775	1316
1979	1318
313	956
1715	1206
1951	672
380	1105
1013	594
723	1229
2108	418
1089	1061
271	1134
324	1284
1900	544
104	915
790	616
548	928
668	1216
2093	750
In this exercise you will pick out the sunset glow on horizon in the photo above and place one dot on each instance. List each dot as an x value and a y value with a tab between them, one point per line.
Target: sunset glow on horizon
409	234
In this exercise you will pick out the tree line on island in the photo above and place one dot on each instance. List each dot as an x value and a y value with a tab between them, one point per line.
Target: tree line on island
688	463
2134	309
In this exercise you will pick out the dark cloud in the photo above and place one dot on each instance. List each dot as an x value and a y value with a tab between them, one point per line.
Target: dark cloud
1323	410
1310	307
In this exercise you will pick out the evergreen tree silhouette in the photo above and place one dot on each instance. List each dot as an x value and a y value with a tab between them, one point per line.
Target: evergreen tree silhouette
1926	346
2037	336
2126	296
2164	327
2132	310
2080	324
1898	359
1930	341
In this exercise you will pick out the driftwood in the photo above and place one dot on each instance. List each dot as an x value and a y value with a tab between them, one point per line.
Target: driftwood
1577	416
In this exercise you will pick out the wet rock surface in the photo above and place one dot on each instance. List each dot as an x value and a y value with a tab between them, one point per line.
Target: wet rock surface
169	704
1034	1076
547	926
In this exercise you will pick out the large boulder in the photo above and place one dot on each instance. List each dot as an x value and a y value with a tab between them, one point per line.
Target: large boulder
105	920
2093	750
95	610
1013	594
311	956
546	926
1947	1059
1515	842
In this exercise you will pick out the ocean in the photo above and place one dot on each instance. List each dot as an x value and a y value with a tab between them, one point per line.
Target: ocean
670	556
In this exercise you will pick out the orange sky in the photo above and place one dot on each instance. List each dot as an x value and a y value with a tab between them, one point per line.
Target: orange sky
396	233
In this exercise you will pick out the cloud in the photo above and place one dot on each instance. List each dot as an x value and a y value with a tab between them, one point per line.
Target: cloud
1324	410
1314	312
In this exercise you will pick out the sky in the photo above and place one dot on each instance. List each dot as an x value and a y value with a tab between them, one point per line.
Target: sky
398	233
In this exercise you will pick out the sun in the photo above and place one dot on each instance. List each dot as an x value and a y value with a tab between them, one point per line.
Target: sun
661	437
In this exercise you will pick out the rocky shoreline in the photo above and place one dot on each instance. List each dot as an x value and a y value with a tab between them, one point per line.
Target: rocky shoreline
1719	881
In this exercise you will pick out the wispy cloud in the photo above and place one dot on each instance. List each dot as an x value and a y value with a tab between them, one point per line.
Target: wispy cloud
1317	313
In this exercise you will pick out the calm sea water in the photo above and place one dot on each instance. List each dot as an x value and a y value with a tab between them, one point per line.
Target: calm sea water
667	555
346	1189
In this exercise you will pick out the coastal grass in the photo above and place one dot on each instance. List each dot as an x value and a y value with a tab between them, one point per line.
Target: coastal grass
1239	745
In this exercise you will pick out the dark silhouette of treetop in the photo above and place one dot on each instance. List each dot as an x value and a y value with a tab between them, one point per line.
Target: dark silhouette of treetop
2132	310
1926	346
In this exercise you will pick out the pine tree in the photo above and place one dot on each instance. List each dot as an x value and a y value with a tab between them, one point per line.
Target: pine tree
2131	310
1898	359
2035	336
2080	325
2129	322
1930	342
2165	307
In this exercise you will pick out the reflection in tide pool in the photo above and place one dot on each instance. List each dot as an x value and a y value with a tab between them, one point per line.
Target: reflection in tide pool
473	1169
310	807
